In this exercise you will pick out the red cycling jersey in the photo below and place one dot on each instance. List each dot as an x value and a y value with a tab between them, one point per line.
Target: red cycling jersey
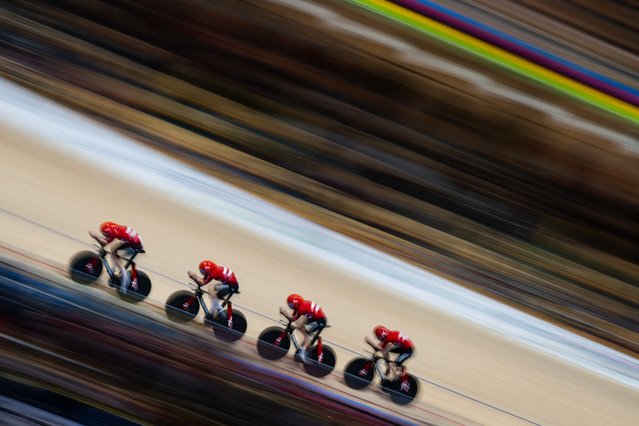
223	275
310	310
126	234
397	338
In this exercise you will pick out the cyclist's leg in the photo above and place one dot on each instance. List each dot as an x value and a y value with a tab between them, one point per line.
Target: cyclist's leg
117	263
392	371
317	328
305	337
300	324
219	293
402	357
401	373
314	328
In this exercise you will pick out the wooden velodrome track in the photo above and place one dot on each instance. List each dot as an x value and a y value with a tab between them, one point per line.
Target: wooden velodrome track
52	196
370	129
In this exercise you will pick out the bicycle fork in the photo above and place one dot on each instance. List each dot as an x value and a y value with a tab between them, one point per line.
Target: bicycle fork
367	368
187	305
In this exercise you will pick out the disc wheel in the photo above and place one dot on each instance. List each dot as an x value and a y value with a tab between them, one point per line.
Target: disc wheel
317	367
404	391
85	267
136	291
273	343
359	373
230	331
181	306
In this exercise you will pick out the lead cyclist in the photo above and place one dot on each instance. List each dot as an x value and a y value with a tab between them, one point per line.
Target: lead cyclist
121	238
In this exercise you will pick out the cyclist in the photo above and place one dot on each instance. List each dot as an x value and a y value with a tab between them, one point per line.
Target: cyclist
122	239
227	282
395	342
307	317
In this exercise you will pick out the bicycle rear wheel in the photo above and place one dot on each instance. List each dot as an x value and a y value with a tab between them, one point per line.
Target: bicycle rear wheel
320	367
136	291
230	331
403	392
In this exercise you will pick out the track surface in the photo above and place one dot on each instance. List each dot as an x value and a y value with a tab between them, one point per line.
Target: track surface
96	383
50	200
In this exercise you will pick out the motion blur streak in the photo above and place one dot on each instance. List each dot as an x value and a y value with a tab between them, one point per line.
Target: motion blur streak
201	372
500	39
503	58
82	138
405	51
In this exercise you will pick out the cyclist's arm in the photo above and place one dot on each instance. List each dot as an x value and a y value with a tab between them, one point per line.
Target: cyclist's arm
284	312
117	245
372	343
300	323
99	238
386	351
199	281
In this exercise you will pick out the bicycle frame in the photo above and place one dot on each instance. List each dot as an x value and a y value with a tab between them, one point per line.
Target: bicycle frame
375	359
288	331
374	363
207	313
317	338
129	262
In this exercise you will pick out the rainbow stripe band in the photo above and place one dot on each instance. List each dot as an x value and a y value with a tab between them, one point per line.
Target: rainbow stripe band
502	58
523	49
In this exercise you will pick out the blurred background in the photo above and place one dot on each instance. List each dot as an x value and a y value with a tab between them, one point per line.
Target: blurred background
493	143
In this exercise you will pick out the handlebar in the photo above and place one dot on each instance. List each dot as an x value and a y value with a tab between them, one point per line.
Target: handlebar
374	355
196	288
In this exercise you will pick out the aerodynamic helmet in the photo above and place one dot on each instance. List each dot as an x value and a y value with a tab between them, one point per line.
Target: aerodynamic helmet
207	267
380	331
108	228
294	301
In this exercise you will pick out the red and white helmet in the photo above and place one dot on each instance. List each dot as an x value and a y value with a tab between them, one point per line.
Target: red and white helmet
380	332
108	228
294	301
207	267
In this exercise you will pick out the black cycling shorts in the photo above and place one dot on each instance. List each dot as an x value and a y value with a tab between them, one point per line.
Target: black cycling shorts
125	250
316	325
223	290
403	356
